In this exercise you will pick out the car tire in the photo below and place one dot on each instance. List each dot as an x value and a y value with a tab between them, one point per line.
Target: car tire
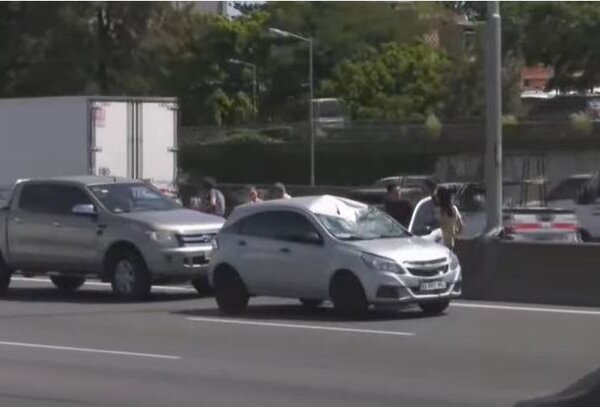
585	236
67	284
348	296
230	292
5	276
130	276
435	308
310	304
202	285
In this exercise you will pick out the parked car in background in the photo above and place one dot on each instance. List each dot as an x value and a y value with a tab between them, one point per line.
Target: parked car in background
119	230
411	187
520	222
329	248
581	194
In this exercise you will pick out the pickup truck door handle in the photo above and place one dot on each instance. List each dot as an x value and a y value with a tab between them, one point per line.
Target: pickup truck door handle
17	220
242	243
57	225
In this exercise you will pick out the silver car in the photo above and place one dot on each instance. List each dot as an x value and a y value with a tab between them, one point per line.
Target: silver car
329	248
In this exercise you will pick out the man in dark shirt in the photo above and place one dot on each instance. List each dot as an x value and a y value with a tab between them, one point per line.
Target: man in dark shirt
398	208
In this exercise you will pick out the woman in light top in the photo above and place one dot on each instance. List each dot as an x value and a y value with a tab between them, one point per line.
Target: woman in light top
451	222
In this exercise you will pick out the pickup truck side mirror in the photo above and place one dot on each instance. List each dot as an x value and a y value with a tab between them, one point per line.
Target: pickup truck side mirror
85	210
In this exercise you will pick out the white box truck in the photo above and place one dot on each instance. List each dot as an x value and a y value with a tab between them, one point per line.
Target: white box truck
133	137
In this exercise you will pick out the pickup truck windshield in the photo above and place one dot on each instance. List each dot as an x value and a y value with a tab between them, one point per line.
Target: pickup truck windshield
122	198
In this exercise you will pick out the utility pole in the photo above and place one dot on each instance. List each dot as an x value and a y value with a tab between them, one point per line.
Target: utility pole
493	145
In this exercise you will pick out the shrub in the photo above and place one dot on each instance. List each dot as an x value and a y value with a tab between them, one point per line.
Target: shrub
433	127
509	125
581	124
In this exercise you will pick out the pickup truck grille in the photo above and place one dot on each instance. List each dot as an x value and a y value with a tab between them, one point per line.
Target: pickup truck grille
199	239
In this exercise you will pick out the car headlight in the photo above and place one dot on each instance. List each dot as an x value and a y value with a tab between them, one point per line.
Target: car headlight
381	263
165	239
453	261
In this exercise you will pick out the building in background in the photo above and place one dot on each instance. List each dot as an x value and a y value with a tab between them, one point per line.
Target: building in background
535	78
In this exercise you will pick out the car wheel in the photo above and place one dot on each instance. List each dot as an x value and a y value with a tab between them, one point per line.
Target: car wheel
130	276
310	304
348	296
434	308
230	292
202	285
5	276
67	284
585	236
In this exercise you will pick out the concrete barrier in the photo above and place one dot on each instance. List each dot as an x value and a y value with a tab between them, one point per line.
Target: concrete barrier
543	273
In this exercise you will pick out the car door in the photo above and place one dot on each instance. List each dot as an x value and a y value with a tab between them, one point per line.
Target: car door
75	236
254	245
301	258
30	231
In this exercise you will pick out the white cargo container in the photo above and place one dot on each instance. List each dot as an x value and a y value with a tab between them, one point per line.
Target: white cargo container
134	137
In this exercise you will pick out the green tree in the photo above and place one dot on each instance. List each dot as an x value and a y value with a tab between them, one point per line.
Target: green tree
400	82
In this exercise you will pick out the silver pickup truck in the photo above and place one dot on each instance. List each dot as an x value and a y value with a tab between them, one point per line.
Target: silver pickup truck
122	231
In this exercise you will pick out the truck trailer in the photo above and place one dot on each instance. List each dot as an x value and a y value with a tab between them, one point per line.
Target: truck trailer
132	137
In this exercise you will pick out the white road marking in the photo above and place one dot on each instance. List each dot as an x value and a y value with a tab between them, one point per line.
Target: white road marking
525	308
298	326
99	284
89	350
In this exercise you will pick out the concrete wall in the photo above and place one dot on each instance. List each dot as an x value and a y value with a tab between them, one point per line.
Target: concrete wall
558	274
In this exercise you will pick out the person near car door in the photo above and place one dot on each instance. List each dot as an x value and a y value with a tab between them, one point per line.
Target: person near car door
279	191
450	220
397	207
213	202
425	216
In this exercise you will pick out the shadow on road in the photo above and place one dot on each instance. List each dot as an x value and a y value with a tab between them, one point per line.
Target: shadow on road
292	312
44	294
583	393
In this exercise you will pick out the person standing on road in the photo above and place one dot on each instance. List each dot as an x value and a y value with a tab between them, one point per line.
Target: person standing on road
253	195
398	208
214	201
425	218
279	191
451	222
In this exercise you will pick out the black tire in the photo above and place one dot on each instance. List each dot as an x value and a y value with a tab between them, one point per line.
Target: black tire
585	236
130	278
230	292
202	285
67	284
5	276
435	308
310	304
348	296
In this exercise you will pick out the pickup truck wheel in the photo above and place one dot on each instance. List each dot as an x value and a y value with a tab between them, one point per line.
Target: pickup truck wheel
434	308
67	284
5	275
130	276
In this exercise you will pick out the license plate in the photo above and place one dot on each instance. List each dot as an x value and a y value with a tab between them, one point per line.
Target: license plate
432	285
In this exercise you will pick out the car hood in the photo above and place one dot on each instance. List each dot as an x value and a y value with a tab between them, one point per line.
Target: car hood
180	220
404	249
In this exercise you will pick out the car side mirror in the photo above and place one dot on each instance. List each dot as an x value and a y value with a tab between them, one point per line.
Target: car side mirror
85	210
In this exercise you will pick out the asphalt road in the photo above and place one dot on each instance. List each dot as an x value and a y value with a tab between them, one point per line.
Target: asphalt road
87	349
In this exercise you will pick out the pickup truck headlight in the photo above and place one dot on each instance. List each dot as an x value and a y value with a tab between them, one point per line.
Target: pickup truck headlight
381	263
165	239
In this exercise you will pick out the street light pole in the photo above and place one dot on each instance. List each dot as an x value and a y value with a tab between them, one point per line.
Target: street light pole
311	113
493	153
254	80
311	109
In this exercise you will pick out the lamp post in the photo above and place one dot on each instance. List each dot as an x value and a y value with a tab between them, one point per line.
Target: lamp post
311	110
254	80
